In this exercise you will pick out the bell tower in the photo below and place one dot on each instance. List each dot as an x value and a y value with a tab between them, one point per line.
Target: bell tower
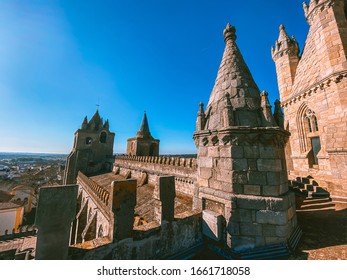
92	151
143	144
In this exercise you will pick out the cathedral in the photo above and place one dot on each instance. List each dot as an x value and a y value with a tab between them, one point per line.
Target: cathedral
237	197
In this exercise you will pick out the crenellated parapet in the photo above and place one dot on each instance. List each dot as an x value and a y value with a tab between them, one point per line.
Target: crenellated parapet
315	7
190	163
97	192
22	231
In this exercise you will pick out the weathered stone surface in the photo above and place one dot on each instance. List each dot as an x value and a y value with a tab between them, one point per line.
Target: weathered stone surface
271	190
123	207
251	152
269	165
251	229
271	217
165	193
212	224
252	189
55	212
251	203
255	177
312	91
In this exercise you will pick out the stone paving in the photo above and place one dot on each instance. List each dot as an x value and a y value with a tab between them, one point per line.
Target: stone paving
324	225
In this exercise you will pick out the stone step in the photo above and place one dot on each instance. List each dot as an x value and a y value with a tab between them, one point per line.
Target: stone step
339	199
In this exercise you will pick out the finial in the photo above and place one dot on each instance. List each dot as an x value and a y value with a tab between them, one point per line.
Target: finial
229	33
282	27
98	104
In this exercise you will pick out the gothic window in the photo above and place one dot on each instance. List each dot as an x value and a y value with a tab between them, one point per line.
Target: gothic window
89	140
315	123
103	136
309	124
101	231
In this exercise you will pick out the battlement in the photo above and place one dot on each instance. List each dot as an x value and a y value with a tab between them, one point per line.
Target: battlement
98	193
190	163
22	231
315	7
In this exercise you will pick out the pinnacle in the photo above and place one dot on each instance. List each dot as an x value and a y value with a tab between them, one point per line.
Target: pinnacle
229	33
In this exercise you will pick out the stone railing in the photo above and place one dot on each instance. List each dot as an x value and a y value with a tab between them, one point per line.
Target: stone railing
190	163
96	191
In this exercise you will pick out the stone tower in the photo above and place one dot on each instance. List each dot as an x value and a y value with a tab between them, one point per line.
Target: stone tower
313	90
242	177
92	151
143	144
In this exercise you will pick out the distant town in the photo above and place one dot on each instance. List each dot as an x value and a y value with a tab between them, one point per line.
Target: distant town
30	169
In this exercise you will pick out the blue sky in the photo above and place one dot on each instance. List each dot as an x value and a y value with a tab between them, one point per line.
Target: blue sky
58	59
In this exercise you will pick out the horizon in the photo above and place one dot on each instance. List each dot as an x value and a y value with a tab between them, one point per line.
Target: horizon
60	59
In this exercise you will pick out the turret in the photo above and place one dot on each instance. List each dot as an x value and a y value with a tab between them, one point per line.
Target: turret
285	54
143	144
315	7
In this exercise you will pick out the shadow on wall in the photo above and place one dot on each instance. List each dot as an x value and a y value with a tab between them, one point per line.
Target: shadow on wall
324	226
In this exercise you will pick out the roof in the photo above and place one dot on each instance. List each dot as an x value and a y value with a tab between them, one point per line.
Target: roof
144	128
105	180
5	196
10	205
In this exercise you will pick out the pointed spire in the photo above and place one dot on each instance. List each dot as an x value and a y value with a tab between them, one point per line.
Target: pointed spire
285	45
144	128
278	114
200	122
235	79
85	123
95	121
268	119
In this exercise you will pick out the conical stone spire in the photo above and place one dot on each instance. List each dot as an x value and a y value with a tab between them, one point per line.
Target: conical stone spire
144	128
234	80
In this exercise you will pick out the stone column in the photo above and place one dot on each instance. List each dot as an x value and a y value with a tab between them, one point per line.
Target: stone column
123	207
55	212
165	194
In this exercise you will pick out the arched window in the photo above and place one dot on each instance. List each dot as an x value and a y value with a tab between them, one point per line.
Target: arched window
307	126
89	140
103	137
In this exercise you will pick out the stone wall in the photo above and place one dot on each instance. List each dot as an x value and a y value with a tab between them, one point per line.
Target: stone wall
315	103
184	170
158	242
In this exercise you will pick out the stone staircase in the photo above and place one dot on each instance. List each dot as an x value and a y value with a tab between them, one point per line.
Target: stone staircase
308	188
